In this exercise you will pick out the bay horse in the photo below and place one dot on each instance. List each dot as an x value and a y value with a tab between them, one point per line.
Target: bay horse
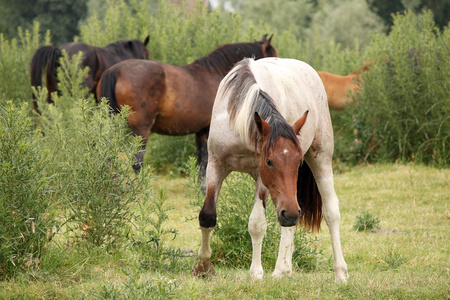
271	120
174	100
96	58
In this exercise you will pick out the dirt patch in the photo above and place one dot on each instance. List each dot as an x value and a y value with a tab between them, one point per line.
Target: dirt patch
387	231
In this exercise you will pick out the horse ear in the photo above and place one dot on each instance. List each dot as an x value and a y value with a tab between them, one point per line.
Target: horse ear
270	40
299	123
266	42
146	40
262	126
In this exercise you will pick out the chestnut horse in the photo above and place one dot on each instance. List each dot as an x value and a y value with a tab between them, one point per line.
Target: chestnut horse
97	59
341	89
174	100
251	132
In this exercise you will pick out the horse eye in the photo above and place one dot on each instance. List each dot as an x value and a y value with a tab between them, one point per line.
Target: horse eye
269	163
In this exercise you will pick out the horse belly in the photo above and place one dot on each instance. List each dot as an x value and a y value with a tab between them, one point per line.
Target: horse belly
179	123
184	110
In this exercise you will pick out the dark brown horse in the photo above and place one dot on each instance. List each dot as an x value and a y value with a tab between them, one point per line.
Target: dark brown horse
175	100
97	59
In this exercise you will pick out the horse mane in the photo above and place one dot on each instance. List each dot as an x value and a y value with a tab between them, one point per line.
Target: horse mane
245	99
124	47
226	56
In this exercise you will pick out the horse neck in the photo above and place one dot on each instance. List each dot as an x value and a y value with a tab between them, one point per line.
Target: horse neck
222	60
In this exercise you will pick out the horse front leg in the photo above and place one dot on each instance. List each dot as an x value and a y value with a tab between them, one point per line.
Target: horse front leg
283	267
201	141
208	218
140	129
257	226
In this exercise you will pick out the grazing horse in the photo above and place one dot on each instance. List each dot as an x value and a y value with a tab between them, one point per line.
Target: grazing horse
341	88
174	100
271	120
97	59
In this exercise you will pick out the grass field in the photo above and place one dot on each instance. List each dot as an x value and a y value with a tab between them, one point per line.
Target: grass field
407	258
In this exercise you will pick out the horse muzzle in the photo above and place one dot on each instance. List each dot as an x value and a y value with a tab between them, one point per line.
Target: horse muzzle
288	219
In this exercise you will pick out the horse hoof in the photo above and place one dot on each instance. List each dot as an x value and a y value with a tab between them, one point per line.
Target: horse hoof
203	269
341	279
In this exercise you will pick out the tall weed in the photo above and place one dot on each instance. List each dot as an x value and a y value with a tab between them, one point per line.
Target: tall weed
25	215
153	234
15	58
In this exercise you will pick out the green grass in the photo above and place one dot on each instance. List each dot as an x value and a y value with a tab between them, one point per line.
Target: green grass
407	258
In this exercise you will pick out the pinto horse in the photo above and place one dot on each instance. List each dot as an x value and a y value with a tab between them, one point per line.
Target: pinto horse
97	59
174	100
271	120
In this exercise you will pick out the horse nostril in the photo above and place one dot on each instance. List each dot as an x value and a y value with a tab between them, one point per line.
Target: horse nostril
283	214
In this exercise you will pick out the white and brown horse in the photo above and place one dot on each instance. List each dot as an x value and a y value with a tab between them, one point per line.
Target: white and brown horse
271	120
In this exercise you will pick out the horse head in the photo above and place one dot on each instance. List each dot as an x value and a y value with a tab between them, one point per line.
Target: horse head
278	165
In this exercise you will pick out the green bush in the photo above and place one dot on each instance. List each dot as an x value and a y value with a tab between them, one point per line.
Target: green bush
403	112
25	216
366	222
15	58
92	155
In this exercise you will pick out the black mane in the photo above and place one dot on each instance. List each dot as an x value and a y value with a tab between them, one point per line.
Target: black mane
226	56
125	47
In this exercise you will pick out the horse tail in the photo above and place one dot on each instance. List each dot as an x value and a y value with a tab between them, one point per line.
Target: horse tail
45	56
108	88
309	198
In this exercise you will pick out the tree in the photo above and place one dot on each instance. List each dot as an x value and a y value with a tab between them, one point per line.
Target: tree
60	17
386	8
280	15
344	22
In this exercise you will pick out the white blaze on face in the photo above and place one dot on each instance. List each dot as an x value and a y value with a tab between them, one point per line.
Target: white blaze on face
285	151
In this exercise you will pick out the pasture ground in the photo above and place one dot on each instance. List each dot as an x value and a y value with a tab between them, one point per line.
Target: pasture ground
408	258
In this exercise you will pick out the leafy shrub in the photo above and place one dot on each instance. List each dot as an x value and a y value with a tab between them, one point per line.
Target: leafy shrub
366	222
403	111
169	153
25	217
15	58
92	156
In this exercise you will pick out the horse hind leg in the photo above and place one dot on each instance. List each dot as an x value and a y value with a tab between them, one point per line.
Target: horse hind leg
332	217
201	141
323	173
